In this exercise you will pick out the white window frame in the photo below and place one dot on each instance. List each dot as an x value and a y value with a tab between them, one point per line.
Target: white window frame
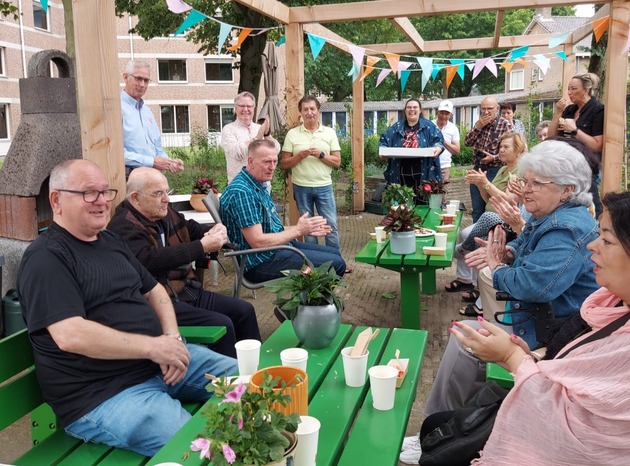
182	60
218	61
537	75
221	108
3	62
47	28
7	119
174	107
515	76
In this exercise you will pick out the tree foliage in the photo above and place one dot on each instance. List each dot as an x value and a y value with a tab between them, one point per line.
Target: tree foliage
6	9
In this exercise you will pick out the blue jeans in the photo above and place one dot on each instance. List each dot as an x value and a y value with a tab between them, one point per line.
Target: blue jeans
144	417
478	204
286	260
322	199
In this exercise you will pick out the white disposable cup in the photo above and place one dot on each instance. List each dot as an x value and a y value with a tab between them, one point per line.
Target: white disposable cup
308	434
380	234
455	203
440	240
451	209
354	367
169	464
248	356
294	357
383	386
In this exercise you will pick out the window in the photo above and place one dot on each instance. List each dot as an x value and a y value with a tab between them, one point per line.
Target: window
517	78
219	71
3	71
40	17
340	122
327	118
368	123
219	116
175	119
172	70
4	121
537	75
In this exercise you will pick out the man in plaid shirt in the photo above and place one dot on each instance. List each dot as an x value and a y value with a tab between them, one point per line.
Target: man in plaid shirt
484	138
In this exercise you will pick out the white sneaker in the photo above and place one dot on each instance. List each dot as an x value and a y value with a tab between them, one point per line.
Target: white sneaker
412	454
408	442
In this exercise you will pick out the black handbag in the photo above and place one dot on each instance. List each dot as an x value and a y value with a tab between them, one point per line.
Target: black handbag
459	440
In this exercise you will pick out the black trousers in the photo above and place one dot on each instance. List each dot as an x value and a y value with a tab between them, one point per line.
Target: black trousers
236	315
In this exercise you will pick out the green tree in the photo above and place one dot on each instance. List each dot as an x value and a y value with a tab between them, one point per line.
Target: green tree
6	9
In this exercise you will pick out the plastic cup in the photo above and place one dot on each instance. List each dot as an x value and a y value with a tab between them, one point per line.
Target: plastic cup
451	209
248	356
440	240
354	367
308	435
294	357
455	203
383	385
380	234
448	219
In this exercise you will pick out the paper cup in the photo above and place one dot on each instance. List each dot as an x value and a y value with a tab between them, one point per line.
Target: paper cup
451	209
383	386
354	368
380	234
455	203
440	240
248	355
448	219
308	434
294	357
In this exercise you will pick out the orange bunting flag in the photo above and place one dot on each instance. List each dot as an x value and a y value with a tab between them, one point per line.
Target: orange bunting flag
599	27
371	61
241	37
451	71
392	59
521	61
507	66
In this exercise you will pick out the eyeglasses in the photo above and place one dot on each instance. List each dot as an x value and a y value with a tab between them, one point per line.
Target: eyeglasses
412	108
244	106
535	185
158	194
91	195
140	79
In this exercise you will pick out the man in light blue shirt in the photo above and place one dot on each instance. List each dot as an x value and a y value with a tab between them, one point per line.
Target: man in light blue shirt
141	134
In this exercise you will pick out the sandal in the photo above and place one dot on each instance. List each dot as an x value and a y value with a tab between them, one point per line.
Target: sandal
348	269
458	285
471	310
470	296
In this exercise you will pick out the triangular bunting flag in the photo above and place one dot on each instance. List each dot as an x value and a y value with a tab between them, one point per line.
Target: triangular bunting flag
521	61
366	71
402	66
241	37
404	76
562	55
492	66
371	61
518	52
426	64
507	66
357	54
393	60
382	75
542	62
261	31
451	71
470	66
223	33
460	66
44	5
354	72
425	79
435	70
599	27
316	44
176	6
480	64
557	40
193	18
281	41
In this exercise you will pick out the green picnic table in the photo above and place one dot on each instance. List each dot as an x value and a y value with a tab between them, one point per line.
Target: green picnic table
352	432
411	266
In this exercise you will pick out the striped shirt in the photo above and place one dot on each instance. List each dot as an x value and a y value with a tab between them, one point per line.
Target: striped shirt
487	139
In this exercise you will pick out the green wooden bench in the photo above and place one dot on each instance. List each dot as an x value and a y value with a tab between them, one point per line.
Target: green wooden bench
20	395
499	375
352	431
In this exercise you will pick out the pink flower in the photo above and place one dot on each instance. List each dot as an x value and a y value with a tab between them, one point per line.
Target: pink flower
240	423
306	270
235	395
228	454
426	187
202	445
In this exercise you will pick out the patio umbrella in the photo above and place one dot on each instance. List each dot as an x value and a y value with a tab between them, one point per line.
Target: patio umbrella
271	106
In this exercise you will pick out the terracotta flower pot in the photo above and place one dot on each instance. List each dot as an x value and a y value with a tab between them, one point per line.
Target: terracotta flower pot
196	202
298	391
289	455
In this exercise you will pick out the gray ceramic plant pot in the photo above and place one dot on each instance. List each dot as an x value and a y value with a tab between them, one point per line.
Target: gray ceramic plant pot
402	242
316	326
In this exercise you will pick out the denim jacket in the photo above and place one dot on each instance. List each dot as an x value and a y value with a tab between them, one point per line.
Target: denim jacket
552	265
429	135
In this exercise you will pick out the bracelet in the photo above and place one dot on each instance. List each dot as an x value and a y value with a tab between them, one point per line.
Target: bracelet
498	266
487	187
536	356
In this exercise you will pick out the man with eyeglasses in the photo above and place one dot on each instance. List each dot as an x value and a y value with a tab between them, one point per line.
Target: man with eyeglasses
167	244
141	135
107	350
236	136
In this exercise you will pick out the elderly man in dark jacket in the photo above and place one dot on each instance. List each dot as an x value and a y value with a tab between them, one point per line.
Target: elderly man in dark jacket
167	244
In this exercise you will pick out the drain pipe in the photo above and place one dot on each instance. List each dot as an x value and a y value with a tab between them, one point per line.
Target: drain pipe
22	46
130	37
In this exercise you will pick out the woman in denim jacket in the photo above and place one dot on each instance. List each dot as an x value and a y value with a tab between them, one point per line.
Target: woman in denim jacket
413	131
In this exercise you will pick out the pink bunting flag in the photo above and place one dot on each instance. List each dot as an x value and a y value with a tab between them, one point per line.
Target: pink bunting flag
177	6
357	54
382	75
402	66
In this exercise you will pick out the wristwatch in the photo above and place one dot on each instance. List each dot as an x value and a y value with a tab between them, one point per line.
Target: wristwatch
573	133
322	155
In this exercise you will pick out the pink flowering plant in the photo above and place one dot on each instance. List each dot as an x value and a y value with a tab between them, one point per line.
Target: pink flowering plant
204	185
241	427
429	187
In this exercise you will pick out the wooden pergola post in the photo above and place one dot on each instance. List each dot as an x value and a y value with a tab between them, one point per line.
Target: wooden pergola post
358	159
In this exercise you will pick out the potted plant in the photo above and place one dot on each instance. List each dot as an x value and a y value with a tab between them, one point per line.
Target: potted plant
431	192
402	221
308	298
243	429
396	194
201	188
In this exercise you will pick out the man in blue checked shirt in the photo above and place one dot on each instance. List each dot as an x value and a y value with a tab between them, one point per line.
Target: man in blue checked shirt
250	217
141	134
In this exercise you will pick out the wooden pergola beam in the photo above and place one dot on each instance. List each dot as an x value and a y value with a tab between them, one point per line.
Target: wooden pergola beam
583	31
408	29
270	8
497	28
381	9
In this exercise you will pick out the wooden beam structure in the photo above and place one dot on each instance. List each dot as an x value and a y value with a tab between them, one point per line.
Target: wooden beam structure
410	32
269	8
498	24
358	159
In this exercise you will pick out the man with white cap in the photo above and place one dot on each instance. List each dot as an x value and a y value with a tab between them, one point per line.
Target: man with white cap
450	131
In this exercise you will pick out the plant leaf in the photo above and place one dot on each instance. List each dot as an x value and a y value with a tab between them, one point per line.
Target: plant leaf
390	295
